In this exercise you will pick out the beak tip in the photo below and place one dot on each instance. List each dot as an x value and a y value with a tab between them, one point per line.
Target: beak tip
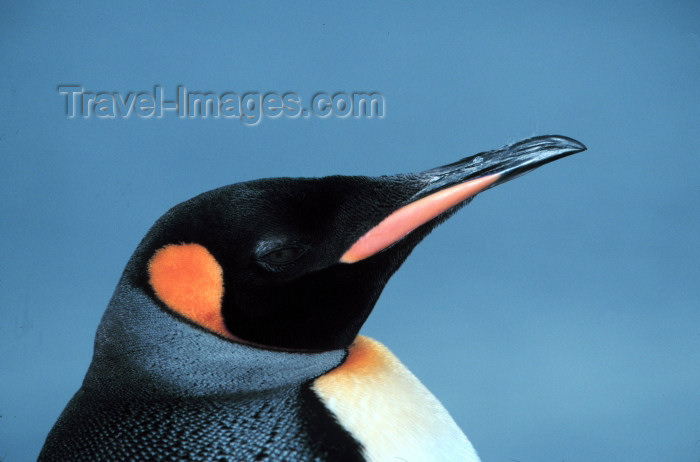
570	145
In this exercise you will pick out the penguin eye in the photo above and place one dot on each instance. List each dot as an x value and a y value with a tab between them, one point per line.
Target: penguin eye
282	256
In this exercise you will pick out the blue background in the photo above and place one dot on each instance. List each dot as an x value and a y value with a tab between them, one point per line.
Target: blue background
556	317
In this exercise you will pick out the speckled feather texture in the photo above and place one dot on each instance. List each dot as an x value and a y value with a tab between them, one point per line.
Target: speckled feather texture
161	389
261	429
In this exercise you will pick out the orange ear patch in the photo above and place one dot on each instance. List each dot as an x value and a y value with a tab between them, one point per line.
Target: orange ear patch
189	280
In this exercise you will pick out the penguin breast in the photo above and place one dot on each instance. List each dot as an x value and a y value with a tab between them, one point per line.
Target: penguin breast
388	410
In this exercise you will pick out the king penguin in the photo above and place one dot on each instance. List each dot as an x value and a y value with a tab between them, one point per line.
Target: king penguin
232	334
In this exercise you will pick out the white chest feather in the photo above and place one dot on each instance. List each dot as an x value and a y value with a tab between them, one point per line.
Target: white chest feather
389	411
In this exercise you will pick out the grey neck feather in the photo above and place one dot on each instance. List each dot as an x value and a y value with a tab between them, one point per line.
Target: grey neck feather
143	352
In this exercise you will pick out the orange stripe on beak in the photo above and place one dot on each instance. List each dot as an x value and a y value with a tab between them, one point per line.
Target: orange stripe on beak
409	217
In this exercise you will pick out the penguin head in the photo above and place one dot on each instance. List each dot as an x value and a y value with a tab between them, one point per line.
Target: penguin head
299	263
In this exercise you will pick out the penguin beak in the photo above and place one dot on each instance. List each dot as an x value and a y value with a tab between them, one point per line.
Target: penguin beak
446	187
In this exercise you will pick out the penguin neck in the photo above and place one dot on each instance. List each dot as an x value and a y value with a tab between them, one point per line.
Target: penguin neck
141	351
